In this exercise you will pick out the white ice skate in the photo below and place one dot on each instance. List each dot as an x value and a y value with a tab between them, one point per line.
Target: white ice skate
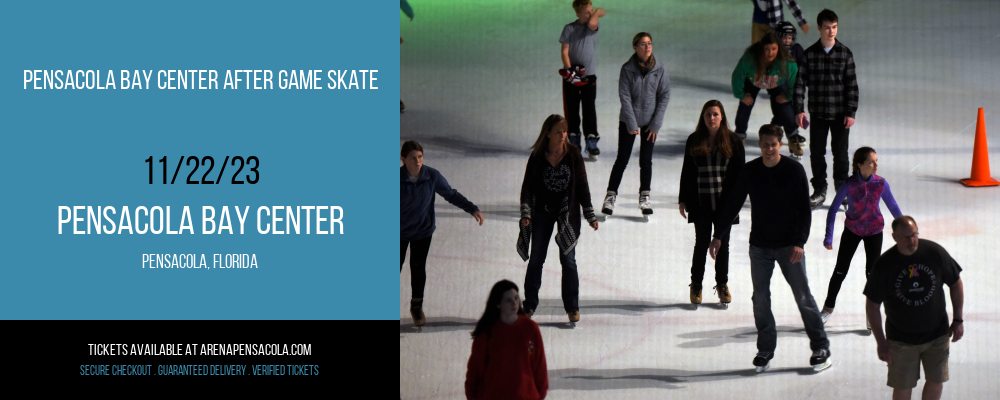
644	205
609	205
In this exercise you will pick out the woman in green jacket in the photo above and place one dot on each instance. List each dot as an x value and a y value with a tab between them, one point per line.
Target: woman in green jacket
767	65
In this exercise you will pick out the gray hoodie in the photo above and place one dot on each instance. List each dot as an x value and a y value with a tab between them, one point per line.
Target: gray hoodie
644	98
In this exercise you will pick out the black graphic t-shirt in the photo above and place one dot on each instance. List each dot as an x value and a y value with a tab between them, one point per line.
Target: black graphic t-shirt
556	181
911	289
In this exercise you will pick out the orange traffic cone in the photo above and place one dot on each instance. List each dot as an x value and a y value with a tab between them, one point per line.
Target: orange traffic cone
980	158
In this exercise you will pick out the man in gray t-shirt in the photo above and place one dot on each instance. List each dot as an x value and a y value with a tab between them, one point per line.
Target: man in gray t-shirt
579	74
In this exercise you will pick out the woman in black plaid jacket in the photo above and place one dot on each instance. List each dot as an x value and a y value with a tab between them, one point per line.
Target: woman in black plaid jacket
713	157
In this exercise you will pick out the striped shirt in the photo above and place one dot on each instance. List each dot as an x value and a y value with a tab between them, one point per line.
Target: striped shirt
831	80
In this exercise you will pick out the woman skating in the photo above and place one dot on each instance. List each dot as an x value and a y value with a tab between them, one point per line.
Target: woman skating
767	65
863	221
644	90
713	157
553	192
418	183
508	358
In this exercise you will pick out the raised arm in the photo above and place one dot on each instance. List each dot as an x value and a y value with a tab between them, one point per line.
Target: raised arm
598	13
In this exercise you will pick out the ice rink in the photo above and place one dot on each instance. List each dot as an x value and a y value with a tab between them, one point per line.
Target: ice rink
478	79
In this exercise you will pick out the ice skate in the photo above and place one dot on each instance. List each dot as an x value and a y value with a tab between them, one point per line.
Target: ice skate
609	203
401	107
574	317
644	205
868	324
417	312
574	139
825	314
795	147
763	361
820	360
529	312
724	296
695	294
592	149
817	198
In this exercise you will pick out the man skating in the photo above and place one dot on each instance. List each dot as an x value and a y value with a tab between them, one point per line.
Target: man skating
780	217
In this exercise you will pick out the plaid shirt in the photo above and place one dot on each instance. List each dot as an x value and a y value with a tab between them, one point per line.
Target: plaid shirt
775	14
832	83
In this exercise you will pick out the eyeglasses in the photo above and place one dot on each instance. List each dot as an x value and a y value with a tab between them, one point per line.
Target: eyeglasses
645	44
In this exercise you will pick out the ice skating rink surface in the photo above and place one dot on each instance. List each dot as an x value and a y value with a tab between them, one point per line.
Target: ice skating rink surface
478	79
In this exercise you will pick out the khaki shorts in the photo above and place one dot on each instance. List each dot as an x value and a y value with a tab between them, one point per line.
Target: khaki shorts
758	31
906	358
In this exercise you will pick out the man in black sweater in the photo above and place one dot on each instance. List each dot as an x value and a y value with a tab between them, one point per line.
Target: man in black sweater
780	218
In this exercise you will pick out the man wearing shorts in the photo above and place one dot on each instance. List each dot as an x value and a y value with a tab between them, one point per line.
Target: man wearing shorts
908	279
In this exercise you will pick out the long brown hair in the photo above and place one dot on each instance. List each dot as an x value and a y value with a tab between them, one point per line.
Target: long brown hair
723	138
492	313
542	142
860	157
782	59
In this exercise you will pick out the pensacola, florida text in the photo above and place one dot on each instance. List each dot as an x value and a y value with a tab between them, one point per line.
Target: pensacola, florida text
277	220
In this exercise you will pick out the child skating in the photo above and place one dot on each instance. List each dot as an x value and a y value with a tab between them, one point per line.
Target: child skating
863	222
579	73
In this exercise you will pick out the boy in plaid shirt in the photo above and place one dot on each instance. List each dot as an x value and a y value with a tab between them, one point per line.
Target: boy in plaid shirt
829	74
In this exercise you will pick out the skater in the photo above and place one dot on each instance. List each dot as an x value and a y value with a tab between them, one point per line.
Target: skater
644	90
418	183
780	217
828	73
553	192
766	65
786	34
579	74
713	157
863	222
508	358
916	320
767	14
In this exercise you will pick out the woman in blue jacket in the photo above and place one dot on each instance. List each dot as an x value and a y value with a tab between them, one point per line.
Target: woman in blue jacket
418	184
644	90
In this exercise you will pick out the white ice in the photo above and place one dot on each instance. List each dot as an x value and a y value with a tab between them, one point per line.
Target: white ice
478	79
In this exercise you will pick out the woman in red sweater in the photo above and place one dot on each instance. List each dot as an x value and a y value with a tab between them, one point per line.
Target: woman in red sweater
508	359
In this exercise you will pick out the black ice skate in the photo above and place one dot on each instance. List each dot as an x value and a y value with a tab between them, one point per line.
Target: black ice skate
574	139
592	149
820	360
417	312
817	198
763	361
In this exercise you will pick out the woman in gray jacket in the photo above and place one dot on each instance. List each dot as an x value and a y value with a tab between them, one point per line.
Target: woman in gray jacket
644	90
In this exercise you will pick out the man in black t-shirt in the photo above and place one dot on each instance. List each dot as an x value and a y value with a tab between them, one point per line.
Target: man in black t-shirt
908	279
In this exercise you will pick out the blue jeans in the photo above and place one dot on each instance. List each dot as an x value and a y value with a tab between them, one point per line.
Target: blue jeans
761	267
542	224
